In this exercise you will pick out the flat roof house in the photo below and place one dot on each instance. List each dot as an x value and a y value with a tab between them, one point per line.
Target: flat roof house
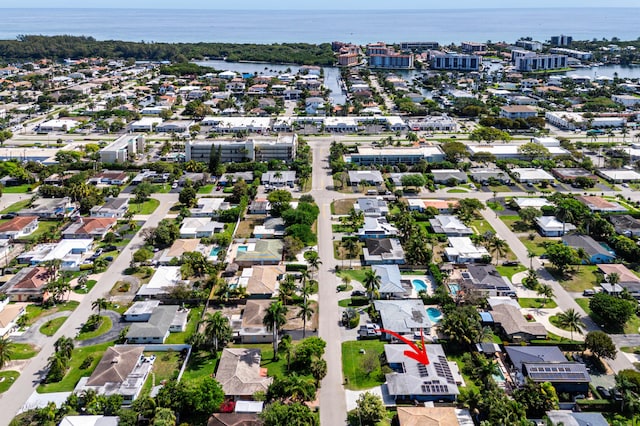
528	174
161	283
448	175
141	311
371	206
619	175
625	225
597	252
414	381
89	227
199	227
157	328
462	250
50	208
483	175
376	227
70	252
240	374
450	226
209	207
366	177
272	227
27	285
513	112
114	207
550	226
122	149
383	251
279	178
570	174
535	202
18	227
407	317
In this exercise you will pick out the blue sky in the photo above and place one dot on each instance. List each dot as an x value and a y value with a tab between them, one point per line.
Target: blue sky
322	4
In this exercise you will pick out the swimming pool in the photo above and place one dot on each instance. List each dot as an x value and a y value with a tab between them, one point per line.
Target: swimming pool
499	377
419	285
434	314
242	249
454	288
214	251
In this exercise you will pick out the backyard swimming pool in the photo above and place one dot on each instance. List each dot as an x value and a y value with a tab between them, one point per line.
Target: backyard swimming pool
434	314
499	377
242	249
214	251
419	285
454	289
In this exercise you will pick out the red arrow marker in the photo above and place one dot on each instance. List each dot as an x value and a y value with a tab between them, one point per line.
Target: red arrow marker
419	355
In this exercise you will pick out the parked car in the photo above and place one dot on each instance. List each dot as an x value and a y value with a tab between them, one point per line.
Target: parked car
511	263
110	248
9	216
356	293
109	258
617	395
588	292
603	392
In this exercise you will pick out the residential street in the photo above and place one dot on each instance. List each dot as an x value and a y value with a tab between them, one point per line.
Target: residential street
33	373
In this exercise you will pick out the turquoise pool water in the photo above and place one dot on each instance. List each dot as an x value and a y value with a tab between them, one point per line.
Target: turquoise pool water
454	288
434	314
419	285
214	251
498	378
242	249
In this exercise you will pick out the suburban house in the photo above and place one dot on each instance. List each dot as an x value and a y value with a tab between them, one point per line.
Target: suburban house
548	364
626	280
162	321
442	206
140	311
89	227
259	206
122	370
600	205
279	178
110	177
71	252
383	251
18	227
261	282
550	226
485	175
365	177
413	381
178	248
625	225
114	207
372	206
248	326
596	252
258	252
530	175
234	419
449	176
209	207
50	208
449	225
391	286
533	202
199	227
462	250
161	283
27	285
272	227
433	416
376	227
509	318
571	174
574	418
240	374
407	317
9	315
484	280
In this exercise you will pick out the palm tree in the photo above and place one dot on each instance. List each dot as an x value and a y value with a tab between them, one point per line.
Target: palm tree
100	304
564	213
498	246
287	289
217	329
583	256
306	312
299	388
100	264
613	278
372	283
545	290
64	346
6	350
530	255
315	262
318	370
570	319
275	317
286	347
352	247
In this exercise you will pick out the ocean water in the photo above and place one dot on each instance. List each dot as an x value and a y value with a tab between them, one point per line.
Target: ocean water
361	26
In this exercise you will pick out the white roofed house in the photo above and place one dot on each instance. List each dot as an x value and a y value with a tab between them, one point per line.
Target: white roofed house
367	177
462	250
71	252
376	227
550	226
374	207
200	227
279	178
391	286
450	226
161	284
209	207
406	317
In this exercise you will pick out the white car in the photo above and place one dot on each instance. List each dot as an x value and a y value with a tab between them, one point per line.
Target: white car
175	185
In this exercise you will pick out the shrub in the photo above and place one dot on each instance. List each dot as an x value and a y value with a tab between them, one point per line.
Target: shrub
353	322
87	362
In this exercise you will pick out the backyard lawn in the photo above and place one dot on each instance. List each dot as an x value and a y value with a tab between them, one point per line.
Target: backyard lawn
22	351
148	207
69	381
536	245
579	280
7	378
50	327
179	338
537	302
44	228
105	326
481	226
201	364
206	189
510	271
352	364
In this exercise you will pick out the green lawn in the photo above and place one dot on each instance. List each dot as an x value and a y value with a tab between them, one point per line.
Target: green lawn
206	189
342	228
148	207
22	351
201	364
44	228
481	226
17	206
353	274
457	357
536	245
105	326
495	206
179	338
90	284
166	365
352	368
35	312
631	349
535	302
164	188
20	189
510	271
69	381
579	280
499	188
7	378
584	304
50	327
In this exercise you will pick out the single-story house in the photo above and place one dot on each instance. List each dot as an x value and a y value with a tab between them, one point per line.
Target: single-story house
27	285
162	321
548	364
114	207
619	175
574	418
272	227
571	174
261	282
240	375
485	175
50	208
550	226
18	227
178	248
408	382
141	311
381	251
530	175
450	226
396	178
597	252
625	225
122	370
71	252
259	206
258	252
448	175
279	178
110	177
626	280
371	206
209	207
600	205
484	280
365	177
248	326
89	227
161	283
443	206
407	317
463	250
199	227
376	227
9	315
391	282
433	416
534	202
89	421
514	324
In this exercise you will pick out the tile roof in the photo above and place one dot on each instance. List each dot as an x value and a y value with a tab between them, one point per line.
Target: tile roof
17	223
116	364
90	226
239	372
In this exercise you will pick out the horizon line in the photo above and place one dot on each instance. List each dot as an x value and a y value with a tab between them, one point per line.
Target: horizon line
319	9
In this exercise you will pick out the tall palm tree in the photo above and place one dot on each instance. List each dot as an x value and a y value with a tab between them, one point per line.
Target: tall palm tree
498	246
352	247
6	350
217	329
287	289
275	317
545	290
64	346
315	263
530	255
372	283
100	304
565	214
571	319
306	312
286	347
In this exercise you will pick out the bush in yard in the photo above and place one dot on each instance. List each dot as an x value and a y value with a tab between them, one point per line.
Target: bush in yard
92	324
87	362
613	311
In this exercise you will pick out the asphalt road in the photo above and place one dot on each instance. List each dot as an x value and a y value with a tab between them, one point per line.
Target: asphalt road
33	373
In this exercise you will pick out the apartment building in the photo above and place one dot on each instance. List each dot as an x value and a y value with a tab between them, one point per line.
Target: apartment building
455	61
381	56
578	54
561	40
473	47
529	45
280	148
419	46
526	61
120	150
